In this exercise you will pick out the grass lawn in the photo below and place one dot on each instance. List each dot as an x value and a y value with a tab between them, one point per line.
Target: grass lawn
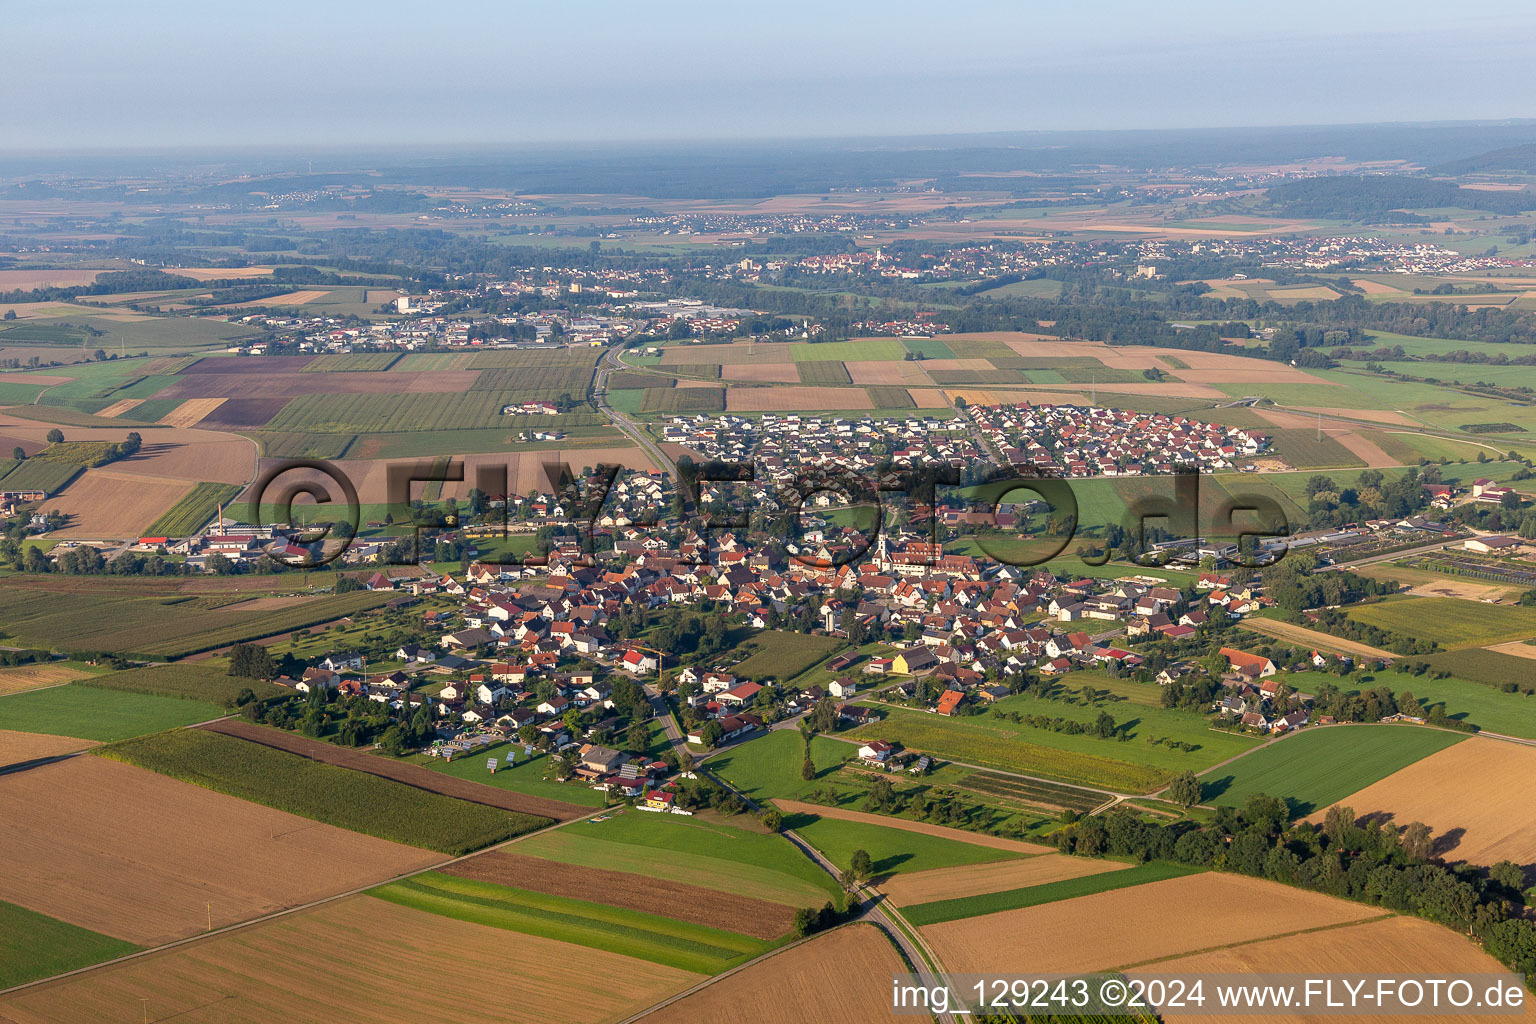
940	911
526	776
1484	706
91	713
1450	621
34	946
662	940
694	850
1320	765
989	742
781	655
893	850
769	766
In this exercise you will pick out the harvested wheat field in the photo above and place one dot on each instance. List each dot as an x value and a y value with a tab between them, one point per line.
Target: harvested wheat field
995	396
957	834
1518	648
289	299
139	856
1254	373
887	371
1376	287
108	503
30	677
709	907
1473	795
21	280
834	978
1387	416
189	412
1394	945
982	365
20	747
1363	447
975	879
808	399
1133	926
761	373
45	379
928	398
219	273
358	961
118	408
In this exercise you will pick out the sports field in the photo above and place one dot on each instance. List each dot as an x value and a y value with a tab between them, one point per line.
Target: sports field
1323	764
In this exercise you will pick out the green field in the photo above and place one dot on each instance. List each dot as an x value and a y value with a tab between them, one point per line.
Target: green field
888	396
1320	765
682	400
893	850
823	372
160	625
928	348
195	509
661	940
695	850
526	776
1304	449
781	656
940	911
1475	703
842	351
91	713
383	413
34	946
353	361
347	799
1491	668
41	475
1131	767
208	681
1450	621
769	765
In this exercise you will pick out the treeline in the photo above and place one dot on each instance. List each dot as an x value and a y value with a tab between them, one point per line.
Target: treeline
1374	198
1372	863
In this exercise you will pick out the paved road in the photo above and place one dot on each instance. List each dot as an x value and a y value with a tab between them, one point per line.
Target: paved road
631	429
1388	556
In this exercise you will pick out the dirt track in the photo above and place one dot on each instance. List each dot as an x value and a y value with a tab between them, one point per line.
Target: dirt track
398	771
711	908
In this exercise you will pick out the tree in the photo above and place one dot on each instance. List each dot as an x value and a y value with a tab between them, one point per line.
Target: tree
252	661
773	819
711	733
1185	789
18	454
1417	842
55	436
807	767
638	738
861	865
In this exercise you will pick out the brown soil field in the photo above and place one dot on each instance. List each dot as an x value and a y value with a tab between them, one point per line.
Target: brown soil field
30	677
886	371
267	604
958	364
805	399
104	503
1376	287
1133	926
19	747
290	299
1471	794
341	964
995	396
957	834
1517	648
834	978
244	413
432	382
254	383
189	412
1472	592
378	295
1312	638
1316	293
219	273
735	353
1403	946
975	879
47	379
129	853
233	364
398	771
118	408
684	382
761	373
709	907
26	280
1396	419
928	398
1364	447
1254	373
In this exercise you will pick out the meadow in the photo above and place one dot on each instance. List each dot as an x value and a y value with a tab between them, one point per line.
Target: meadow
207	681
33	946
940	911
91	713
1323	764
527	775
893	850
1450	622
351	800
663	940
781	655
768	766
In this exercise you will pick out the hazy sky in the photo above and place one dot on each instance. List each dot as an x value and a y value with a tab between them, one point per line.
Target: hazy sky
152	73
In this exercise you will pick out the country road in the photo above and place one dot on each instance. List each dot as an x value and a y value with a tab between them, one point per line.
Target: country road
627	426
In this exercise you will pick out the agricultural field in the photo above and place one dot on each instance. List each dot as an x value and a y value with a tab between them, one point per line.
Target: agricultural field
15	678
698	851
359	934
1472	795
1323	764
147	859
1137	924
206	681
1449	621
22	747
352	800
1109	877
644	936
823	372
352	361
893	848
781	655
709	908
34	946
682	400
90	713
832	979
768	766
943	884
1480	704
528	775
194	511
158	624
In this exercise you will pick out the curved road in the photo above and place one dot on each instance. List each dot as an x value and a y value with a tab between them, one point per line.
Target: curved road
609	363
